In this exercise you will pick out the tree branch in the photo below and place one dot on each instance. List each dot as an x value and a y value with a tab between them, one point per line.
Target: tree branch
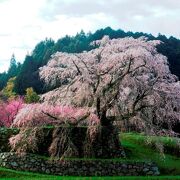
77	68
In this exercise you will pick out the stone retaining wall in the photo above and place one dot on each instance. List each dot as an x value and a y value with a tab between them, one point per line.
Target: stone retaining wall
78	167
5	134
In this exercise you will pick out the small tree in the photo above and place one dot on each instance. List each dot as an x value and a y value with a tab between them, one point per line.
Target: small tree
9	110
31	96
8	91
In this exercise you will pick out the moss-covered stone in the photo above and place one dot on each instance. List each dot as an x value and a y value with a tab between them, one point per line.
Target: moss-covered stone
78	167
5	134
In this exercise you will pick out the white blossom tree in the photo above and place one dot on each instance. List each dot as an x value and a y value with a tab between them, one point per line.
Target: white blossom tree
123	78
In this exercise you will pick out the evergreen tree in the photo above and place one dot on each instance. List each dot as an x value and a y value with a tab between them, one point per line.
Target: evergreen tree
31	96
3	80
12	71
43	51
28	77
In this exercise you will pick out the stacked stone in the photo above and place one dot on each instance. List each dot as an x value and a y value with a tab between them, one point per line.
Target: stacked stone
5	134
76	167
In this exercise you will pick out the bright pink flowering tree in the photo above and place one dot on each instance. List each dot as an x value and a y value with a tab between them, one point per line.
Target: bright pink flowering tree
33	115
33	118
123	78
9	110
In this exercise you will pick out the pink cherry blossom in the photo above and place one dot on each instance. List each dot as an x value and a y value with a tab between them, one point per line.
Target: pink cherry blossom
125	78
33	115
9	110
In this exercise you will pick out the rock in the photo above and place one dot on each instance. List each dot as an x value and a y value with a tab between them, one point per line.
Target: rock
14	164
33	160
154	168
47	171
124	165
71	170
76	168
3	156
26	165
150	173
156	173
145	169
4	164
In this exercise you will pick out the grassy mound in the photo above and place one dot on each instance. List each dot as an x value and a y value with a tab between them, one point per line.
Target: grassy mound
136	148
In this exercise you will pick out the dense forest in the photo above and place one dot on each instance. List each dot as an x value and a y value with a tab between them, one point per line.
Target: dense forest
27	73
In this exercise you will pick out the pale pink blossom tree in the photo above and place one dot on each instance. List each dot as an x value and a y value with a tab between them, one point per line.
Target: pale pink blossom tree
122	78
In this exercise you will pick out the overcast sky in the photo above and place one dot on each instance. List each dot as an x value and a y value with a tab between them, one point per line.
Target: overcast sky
23	23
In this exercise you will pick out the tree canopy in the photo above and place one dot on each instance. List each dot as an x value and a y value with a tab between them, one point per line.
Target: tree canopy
125	78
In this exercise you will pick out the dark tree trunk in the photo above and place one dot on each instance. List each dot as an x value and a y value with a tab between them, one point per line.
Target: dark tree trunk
107	143
104	120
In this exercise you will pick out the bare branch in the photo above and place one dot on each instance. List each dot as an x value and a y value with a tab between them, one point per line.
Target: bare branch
79	72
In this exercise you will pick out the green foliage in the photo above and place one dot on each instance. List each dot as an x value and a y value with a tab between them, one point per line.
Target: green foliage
27	74
8	91
31	96
76	44
13	70
43	51
136	148
171	49
28	77
14	67
3	80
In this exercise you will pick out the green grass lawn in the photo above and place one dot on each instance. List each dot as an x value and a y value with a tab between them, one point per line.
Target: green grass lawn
136	150
15	175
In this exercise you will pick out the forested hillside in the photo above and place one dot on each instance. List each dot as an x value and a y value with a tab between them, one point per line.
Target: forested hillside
27	73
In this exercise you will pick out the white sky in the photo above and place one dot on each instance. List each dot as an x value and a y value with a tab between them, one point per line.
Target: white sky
24	23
